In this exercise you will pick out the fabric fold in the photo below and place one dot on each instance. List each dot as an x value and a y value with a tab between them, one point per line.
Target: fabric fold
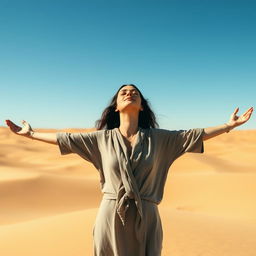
128	189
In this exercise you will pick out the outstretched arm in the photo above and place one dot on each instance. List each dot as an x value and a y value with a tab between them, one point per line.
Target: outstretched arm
28	132
233	122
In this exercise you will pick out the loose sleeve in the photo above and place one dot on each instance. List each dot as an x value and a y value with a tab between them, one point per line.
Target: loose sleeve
83	144
188	141
176	143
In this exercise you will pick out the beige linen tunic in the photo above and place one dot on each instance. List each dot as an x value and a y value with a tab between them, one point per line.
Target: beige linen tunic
128	221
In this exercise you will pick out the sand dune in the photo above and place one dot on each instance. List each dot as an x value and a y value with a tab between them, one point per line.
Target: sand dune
63	234
49	202
36	195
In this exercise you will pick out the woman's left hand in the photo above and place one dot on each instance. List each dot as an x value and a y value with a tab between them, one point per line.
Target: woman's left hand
235	120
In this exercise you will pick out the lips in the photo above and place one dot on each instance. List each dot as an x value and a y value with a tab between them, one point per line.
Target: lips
129	98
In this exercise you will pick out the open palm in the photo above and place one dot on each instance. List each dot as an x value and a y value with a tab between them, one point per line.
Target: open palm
238	120
25	130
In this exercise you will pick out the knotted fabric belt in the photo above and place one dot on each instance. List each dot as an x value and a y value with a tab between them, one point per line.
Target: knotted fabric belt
122	206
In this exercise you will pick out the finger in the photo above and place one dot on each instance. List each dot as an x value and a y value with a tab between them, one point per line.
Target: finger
248	115
25	123
7	122
248	111
236	110
10	123
13	126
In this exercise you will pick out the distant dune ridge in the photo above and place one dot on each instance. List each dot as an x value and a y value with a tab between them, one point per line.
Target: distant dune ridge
49	202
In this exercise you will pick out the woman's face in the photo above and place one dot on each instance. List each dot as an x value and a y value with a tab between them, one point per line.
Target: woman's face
128	98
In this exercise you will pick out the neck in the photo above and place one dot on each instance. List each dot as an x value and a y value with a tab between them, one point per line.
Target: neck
129	123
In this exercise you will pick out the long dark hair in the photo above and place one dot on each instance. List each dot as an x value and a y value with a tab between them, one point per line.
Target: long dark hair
110	118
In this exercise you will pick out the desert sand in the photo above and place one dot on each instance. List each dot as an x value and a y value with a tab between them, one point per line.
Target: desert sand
49	202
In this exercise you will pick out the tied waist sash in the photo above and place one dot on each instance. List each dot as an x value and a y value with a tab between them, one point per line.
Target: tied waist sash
122	205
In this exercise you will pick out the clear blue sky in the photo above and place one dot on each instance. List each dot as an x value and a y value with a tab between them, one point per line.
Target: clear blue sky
61	61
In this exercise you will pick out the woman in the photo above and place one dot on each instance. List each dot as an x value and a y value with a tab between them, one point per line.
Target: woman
133	158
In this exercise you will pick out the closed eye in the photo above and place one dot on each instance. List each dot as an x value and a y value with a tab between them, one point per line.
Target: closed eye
134	92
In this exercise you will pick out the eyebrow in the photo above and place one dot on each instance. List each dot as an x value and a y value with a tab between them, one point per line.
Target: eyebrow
123	90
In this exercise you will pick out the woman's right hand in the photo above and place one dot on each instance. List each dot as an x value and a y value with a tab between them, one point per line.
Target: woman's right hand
26	130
